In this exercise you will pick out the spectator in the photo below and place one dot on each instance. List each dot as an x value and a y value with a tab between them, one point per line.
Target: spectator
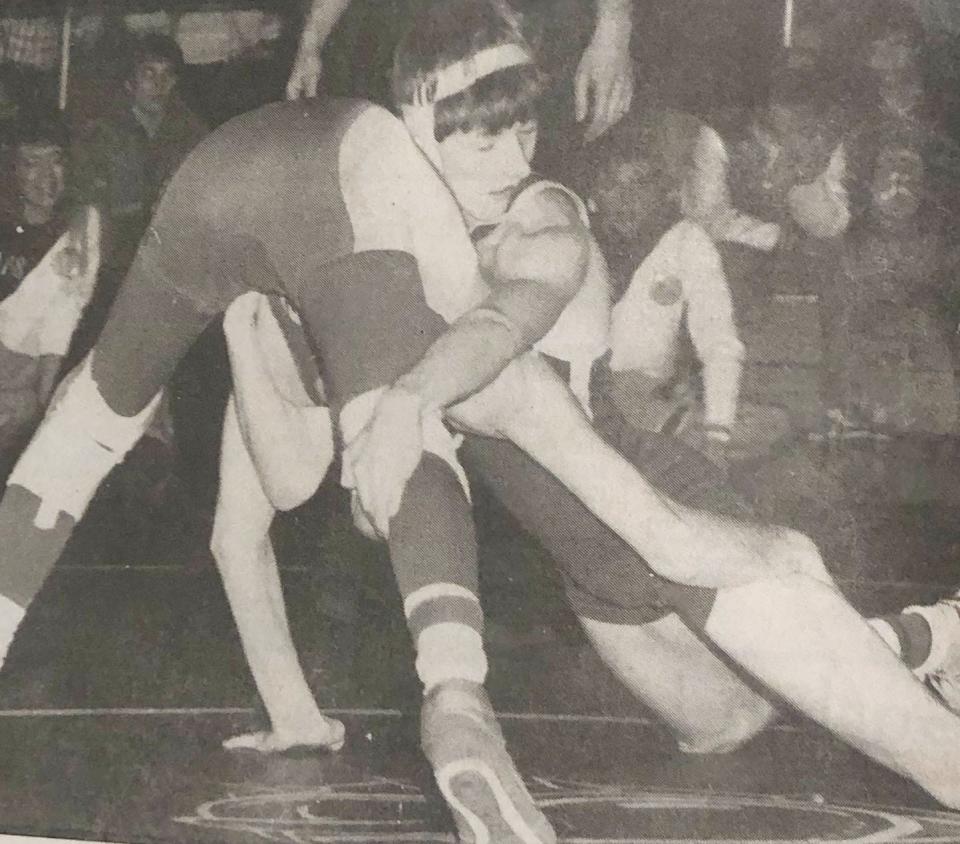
36	149
122	164
661	201
898	294
123	160
47	274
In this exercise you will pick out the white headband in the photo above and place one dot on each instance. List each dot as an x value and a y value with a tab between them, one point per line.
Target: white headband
420	117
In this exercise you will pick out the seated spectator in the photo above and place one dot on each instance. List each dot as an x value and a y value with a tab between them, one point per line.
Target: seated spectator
661	198
123	160
36	149
47	272
894	54
897	298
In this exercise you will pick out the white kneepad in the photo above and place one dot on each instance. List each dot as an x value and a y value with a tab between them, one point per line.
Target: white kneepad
79	441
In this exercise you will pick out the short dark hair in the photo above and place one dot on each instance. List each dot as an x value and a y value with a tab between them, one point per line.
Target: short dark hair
152	47
37	126
448	31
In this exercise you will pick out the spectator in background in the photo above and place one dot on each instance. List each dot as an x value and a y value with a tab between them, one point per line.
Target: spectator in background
661	202
47	273
898	294
122	163
37	150
122	160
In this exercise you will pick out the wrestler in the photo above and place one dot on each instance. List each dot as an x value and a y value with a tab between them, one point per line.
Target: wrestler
826	637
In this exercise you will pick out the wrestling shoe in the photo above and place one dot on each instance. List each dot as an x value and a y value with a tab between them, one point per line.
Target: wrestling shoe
464	745
941	669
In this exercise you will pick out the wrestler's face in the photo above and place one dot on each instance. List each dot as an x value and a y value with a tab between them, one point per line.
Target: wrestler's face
39	171
152	82
897	184
483	169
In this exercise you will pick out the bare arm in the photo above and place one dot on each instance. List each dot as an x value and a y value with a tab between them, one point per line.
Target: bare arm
822	207
603	85
712	330
321	19
542	264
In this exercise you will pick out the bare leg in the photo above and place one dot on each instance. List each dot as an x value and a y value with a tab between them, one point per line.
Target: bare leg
777	614
244	554
290	438
803	640
529	405
669	669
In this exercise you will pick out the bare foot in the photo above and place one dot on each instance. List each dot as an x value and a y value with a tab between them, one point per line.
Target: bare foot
325	734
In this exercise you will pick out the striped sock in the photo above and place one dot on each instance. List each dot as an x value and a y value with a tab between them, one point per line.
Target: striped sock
446	623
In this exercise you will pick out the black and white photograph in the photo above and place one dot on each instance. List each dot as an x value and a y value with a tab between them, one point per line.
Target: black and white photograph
479	421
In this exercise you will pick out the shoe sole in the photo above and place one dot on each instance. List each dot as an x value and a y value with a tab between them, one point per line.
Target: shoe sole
476	794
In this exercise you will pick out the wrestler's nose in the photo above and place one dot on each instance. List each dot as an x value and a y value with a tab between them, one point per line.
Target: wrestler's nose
513	158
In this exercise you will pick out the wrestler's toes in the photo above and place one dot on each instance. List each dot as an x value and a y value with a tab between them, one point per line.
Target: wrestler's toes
326	736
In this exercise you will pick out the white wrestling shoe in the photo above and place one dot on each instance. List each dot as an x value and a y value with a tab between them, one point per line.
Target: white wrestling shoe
941	669
477	777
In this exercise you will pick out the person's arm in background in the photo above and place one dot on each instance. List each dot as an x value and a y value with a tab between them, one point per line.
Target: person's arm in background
603	85
713	333
307	67
822	207
705	197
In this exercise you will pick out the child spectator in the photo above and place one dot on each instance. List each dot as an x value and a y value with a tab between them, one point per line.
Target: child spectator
661	199
123	160
47	273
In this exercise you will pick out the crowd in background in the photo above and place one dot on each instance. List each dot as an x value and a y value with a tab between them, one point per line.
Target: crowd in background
779	224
